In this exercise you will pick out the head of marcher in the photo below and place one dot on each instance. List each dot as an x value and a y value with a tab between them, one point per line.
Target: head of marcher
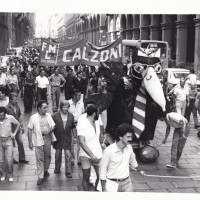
182	82
28	75
79	74
42	72
2	113
93	83
87	103
192	71
193	86
124	134
12	71
76	95
64	106
69	71
92	111
13	98
42	107
56	71
2	93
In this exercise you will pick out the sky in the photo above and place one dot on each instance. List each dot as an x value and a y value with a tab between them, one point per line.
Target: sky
41	20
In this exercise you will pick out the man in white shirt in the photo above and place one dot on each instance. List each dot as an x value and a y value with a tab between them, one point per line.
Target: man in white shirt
4	100
182	97
76	108
192	78
3	79
40	136
42	84
114	165
88	130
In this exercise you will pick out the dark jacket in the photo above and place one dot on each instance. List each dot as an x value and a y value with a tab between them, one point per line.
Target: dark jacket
63	136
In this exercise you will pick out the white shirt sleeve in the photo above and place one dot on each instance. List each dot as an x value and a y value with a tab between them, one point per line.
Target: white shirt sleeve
52	123
36	80
104	165
14	121
30	124
80	127
100	121
133	163
175	91
47	81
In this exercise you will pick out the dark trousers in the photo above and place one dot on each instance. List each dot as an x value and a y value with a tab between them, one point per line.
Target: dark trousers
58	160
41	94
68	94
191	109
28	100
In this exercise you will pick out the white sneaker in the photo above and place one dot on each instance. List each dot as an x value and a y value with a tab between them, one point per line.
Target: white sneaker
3	178
172	166
11	179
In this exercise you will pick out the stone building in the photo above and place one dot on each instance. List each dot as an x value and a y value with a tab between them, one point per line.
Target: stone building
182	32
15	29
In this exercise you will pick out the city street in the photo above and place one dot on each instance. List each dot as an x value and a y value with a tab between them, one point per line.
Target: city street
25	177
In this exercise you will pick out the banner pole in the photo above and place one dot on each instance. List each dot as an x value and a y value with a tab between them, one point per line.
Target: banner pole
57	54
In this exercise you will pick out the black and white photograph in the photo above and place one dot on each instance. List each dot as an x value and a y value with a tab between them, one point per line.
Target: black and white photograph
100	101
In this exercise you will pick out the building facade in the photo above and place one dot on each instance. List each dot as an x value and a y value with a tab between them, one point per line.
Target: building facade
182	32
15	29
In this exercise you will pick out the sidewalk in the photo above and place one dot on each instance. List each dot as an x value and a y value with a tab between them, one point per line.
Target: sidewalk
25	176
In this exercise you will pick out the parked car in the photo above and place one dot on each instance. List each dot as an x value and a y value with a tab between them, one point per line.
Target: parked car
173	75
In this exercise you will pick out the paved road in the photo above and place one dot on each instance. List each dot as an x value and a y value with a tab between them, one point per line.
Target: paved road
25	177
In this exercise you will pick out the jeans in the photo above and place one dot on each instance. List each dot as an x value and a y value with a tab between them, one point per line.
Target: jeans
20	145
55	95
178	144
193	110
58	160
43	156
6	156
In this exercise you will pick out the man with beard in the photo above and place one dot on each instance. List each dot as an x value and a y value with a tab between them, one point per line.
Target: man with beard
114	165
88	130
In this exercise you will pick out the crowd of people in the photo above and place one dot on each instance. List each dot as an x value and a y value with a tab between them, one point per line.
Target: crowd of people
75	126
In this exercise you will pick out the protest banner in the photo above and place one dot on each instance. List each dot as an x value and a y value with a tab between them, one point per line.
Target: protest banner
81	52
48	53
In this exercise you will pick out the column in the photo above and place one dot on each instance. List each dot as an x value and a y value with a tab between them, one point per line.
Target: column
166	29
144	27
103	30
9	30
181	40
129	31
136	27
154	27
197	45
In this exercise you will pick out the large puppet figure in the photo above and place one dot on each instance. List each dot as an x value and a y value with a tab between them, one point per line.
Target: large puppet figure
134	96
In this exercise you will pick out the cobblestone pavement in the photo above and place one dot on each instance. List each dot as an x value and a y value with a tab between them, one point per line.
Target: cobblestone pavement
25	177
